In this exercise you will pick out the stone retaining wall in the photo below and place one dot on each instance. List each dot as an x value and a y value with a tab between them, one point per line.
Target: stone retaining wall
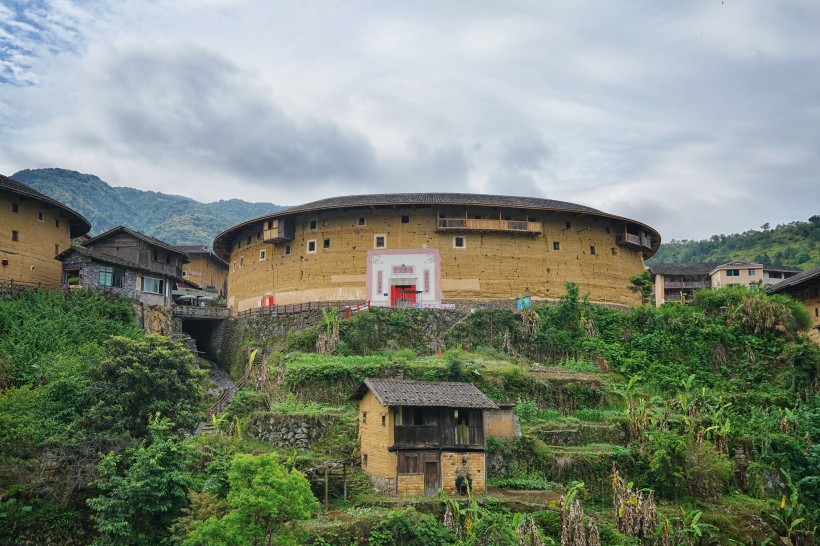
290	431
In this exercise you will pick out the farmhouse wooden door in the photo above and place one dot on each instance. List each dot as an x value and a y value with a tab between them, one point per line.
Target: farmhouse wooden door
432	478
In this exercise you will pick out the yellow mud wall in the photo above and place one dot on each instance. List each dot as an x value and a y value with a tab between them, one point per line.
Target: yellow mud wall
490	266
31	257
205	272
375	439
455	464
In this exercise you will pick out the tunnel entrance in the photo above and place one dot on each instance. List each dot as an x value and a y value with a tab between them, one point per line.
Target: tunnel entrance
201	331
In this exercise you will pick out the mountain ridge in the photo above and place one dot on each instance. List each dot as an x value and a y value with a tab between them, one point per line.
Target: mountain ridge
175	219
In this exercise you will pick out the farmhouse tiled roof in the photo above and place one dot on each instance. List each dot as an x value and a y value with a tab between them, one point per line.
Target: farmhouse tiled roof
201	249
222	241
78	225
394	392
796	281
699	268
782	268
102	257
150	240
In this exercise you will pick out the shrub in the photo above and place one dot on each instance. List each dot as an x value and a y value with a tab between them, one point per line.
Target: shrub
411	528
708	471
493	529
526	409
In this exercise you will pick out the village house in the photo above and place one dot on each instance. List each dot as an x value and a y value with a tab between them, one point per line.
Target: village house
34	228
128	263
674	281
805	288
205	269
417	436
432	250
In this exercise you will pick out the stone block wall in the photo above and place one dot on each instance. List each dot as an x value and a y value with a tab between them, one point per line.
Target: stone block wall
410	484
463	464
290	431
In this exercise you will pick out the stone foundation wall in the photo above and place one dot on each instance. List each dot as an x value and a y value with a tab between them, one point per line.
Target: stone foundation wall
290	431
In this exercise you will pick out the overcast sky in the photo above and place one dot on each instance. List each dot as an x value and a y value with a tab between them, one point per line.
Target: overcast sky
696	117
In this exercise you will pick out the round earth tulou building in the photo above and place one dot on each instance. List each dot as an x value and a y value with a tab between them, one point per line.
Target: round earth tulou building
432	249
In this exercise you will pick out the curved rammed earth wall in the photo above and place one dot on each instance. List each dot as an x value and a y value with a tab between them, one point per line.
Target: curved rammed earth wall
31	257
491	266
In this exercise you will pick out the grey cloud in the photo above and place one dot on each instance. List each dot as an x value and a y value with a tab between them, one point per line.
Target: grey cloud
194	106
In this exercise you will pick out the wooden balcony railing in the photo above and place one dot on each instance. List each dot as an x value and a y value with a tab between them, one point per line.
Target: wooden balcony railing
687	284
193	311
472	224
630	239
436	436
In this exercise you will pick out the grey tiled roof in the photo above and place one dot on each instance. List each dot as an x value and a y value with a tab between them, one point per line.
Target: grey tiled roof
150	240
77	223
393	392
796	281
99	257
701	268
201	249
221	243
112	260
782	268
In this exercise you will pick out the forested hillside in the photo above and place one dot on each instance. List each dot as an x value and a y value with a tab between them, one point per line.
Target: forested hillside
171	218
682	425
794	244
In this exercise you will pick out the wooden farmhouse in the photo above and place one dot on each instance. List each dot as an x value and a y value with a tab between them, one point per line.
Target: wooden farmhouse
128	263
417	437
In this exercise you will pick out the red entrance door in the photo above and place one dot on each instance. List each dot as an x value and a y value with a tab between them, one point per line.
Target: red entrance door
404	294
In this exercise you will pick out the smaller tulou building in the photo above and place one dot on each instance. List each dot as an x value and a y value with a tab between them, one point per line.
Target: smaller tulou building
34	228
805	288
205	269
417	437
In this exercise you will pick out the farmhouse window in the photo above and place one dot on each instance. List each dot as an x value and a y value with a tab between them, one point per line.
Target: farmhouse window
408	463
263	254
592	250
152	285
312	225
287	250
751	272
556	245
15	236
311	245
568	225
733	272
459	242
241	261
384	420
15	207
364	460
364	417
614	251
40	216
405	219
326	243
111	276
380	241
57	222
362	221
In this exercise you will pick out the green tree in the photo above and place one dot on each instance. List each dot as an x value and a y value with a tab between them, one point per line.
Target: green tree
266	501
138	378
143	490
642	284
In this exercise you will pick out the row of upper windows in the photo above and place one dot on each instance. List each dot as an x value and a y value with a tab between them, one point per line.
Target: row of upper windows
380	241
313	225
736	272
41	216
